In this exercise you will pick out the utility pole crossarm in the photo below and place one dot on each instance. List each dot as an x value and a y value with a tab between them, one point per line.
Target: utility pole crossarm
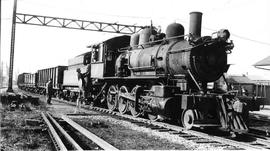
76	24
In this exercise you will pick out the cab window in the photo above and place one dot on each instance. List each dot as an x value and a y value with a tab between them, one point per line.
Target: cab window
87	58
97	53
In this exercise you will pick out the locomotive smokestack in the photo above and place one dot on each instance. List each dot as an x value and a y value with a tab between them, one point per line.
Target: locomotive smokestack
195	23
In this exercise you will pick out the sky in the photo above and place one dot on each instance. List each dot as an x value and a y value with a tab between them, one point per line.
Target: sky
41	47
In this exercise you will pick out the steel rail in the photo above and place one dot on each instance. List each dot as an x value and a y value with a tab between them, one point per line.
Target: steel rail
259	117
100	142
55	137
211	137
177	129
250	146
66	135
183	130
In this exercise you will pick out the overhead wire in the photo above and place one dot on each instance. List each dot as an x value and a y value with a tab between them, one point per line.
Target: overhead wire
233	34
252	40
242	37
148	17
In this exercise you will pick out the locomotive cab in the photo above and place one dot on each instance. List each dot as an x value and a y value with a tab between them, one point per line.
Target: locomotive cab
104	56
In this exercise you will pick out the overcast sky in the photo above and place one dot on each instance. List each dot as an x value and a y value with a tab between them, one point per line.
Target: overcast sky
41	47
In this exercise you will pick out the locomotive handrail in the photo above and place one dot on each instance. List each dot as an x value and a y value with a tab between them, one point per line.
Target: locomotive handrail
151	42
164	40
142	68
181	50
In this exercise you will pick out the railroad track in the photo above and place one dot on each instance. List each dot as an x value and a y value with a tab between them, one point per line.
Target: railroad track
260	117
196	136
260	125
254	142
64	140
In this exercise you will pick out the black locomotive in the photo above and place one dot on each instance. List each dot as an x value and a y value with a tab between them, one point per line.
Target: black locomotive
163	76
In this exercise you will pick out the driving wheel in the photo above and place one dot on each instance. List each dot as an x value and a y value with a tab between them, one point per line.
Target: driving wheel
134	106
122	101
112	97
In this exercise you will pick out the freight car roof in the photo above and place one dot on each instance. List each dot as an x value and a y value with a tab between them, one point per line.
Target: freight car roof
53	67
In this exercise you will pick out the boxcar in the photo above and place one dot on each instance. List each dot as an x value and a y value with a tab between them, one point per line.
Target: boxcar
248	91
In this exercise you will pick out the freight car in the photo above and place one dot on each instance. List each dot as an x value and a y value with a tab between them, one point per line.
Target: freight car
27	81
163	76
246	89
21	80
36	82
54	73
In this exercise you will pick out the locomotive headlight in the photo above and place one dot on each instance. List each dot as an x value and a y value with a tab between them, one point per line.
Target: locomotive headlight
222	34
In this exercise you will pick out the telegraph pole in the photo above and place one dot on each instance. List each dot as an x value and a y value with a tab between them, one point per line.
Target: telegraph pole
1	70
11	61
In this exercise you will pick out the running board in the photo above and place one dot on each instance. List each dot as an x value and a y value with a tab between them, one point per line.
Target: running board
206	125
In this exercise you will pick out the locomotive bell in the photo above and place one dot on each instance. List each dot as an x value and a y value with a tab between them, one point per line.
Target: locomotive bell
195	23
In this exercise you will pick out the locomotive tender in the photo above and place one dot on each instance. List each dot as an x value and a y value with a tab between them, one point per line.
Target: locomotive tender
163	76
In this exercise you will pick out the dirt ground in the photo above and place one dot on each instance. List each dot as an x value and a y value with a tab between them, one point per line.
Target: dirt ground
20	128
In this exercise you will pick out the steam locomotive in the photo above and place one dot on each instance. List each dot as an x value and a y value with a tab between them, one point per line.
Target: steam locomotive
159	75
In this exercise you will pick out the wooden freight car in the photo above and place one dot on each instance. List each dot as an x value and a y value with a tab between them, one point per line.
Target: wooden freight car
54	73
21	80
